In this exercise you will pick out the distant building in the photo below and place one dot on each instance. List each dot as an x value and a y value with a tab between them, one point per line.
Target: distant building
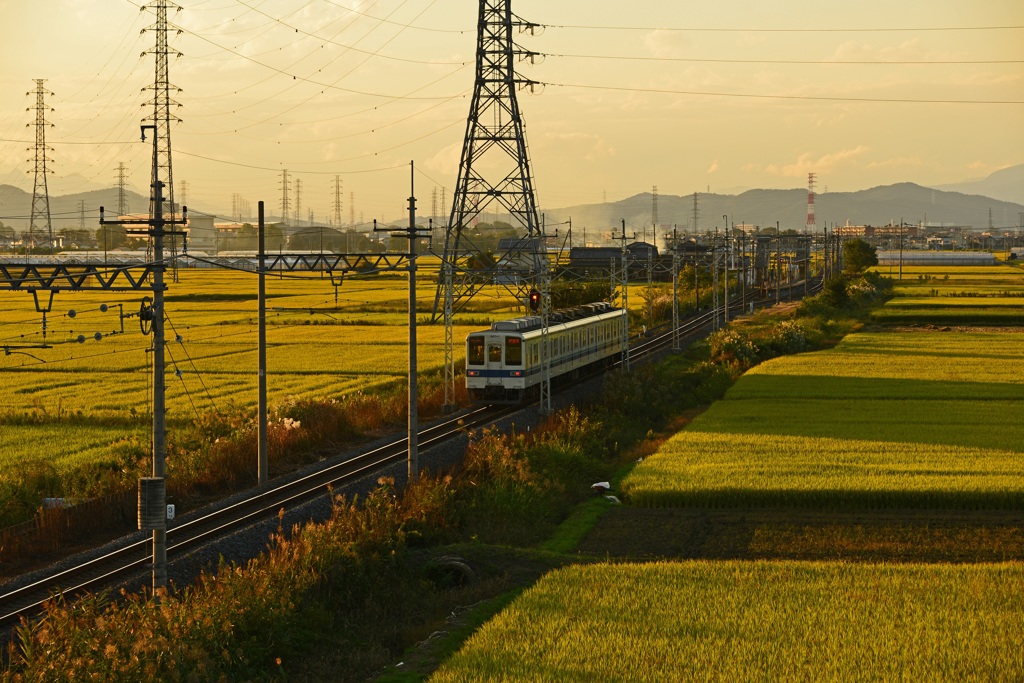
202	233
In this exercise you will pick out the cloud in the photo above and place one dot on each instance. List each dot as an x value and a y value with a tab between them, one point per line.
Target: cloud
713	167
896	162
589	147
805	163
666	44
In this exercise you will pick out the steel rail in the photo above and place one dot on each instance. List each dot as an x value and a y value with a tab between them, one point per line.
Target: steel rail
121	564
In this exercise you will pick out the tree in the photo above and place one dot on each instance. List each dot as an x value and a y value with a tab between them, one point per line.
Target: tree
858	256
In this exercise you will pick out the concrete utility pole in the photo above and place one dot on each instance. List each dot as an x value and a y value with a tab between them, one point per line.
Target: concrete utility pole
263	467
625	295
412	233
728	250
153	490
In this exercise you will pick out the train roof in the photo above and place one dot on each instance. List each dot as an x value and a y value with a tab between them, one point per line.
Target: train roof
535	322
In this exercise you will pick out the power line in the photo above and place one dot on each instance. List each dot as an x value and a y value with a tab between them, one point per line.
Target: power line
825	98
787	61
705	29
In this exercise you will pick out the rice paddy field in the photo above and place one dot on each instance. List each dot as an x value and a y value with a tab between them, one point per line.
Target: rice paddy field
67	403
858	450
883	420
755	621
948	295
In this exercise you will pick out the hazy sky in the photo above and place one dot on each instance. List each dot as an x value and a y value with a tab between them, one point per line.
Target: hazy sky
637	94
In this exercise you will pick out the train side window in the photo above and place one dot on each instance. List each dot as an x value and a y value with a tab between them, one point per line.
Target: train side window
476	351
513	351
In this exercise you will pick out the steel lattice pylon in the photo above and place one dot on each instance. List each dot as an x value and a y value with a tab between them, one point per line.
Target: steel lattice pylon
162	103
40	191
495	167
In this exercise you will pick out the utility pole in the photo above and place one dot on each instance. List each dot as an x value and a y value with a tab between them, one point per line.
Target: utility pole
675	289
263	466
714	281
153	490
40	217
728	250
778	262
412	233
625	295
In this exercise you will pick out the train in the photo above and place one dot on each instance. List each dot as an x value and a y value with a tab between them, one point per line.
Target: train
503	364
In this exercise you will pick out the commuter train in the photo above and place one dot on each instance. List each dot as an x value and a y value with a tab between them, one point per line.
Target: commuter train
503	364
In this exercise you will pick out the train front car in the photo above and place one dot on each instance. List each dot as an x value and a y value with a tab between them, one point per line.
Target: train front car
497	367
504	363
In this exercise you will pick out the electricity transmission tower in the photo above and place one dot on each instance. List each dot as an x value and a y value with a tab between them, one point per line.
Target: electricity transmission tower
162	102
40	193
122	197
284	196
298	201
337	202
494	167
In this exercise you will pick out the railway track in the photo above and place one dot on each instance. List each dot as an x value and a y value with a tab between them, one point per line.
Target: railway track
133	560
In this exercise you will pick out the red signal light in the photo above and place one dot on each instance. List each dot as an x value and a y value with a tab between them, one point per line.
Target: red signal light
534	300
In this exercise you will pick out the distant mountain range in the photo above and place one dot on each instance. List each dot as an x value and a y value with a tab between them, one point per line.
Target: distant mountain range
65	211
876	206
1006	184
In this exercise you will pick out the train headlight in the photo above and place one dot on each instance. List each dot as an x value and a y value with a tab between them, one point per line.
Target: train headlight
472	373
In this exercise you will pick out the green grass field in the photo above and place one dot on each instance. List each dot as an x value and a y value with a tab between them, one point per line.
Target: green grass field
883	420
755	621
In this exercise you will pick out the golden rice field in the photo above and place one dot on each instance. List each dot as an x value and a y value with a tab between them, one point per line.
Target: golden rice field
955	295
883	420
89	394
755	621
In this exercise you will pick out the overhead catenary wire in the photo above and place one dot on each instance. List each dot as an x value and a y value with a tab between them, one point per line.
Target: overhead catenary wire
848	29
815	98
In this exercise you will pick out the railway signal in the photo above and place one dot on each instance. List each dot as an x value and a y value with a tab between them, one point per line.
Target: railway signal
534	300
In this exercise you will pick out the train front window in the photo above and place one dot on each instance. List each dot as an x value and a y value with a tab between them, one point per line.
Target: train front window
494	353
476	351
513	351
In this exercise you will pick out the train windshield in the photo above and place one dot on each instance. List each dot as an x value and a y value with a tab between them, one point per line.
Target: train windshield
513	351
475	355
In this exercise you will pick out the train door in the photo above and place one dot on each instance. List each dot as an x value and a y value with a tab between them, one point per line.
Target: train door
494	360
